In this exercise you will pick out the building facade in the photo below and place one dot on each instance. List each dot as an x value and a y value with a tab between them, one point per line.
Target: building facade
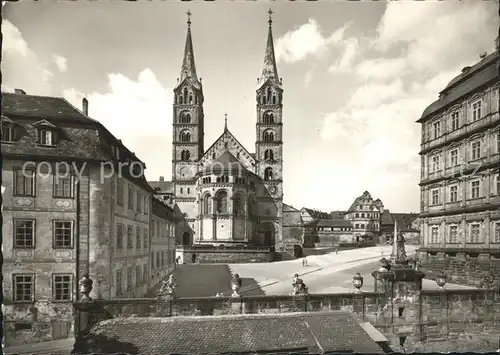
227	194
364	215
75	202
460	185
162	254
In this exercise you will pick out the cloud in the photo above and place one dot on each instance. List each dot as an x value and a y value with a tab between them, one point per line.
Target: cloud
21	67
305	40
419	48
138	113
351	51
61	63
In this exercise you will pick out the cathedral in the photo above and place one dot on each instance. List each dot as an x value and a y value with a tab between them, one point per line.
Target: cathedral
228	195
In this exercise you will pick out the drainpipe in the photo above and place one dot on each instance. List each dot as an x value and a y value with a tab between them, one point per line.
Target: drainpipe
77	237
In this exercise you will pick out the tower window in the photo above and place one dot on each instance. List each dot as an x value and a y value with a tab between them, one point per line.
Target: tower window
185	95
268	174
213	155
180	99
185	155
185	117
268	136
268	154
190	99
274	99
268	117
185	136
269	94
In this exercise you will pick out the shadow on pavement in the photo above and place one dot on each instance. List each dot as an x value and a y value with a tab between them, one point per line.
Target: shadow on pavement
250	287
202	280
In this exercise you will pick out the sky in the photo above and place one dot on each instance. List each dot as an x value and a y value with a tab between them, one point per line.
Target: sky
356	77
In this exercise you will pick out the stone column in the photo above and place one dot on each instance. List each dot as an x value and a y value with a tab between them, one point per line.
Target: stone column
214	218
245	215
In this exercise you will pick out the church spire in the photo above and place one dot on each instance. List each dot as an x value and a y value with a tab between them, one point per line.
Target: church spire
269	71
188	69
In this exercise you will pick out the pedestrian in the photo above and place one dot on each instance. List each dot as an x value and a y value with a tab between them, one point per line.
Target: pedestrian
304	262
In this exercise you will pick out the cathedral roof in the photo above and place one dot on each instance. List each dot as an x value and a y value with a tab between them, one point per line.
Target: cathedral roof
188	69
226	134
225	163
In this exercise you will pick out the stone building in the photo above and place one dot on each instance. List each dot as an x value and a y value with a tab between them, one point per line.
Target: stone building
365	214
227	194
460	185
75	202
162	256
407	224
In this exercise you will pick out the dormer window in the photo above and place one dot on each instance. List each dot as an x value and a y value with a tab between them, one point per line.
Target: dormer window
47	133
8	132
46	137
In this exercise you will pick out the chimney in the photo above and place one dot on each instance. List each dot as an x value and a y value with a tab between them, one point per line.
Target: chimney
19	92
162	178
85	106
482	55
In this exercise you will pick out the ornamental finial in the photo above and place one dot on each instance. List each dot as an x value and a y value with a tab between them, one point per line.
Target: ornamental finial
225	121
270	12
189	18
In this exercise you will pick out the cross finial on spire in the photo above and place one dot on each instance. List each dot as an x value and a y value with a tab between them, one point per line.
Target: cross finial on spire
189	18
270	12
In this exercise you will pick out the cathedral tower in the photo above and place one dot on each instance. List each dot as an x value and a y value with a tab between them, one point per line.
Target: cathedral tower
269	137
188	132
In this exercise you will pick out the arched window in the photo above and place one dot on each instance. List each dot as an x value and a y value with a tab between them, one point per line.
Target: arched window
268	117
213	156
185	155
237	205
222	202
190	98
268	174
185	117
180	99
264	99
274	99
185	136
268	154
207	204
185	95
269	94
268	136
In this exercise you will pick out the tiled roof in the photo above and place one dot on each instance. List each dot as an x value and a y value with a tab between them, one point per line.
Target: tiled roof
165	187
480	74
42	107
386	218
317	214
337	214
291	218
329	331
329	223
404	220
287	208
227	163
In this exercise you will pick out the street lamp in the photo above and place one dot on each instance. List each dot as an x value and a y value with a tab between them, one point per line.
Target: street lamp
357	281
441	280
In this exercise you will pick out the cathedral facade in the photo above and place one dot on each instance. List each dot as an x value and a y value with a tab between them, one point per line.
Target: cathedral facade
227	194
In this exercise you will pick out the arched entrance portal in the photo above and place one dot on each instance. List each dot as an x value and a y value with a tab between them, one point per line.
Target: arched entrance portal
267	235
185	239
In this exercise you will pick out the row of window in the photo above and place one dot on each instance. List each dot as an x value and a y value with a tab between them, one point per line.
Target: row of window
331	229
267	136
144	241
23	288
25	234
436	164
160	229
363	226
222	204
25	184
47	136
456	120
474	191
453	233
185	117
186	97
269	97
136	200
367	215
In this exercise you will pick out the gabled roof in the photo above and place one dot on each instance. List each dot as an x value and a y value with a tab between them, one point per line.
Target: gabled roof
337	214
404	220
317	214
225	162
386	218
289	208
292	332
226	134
